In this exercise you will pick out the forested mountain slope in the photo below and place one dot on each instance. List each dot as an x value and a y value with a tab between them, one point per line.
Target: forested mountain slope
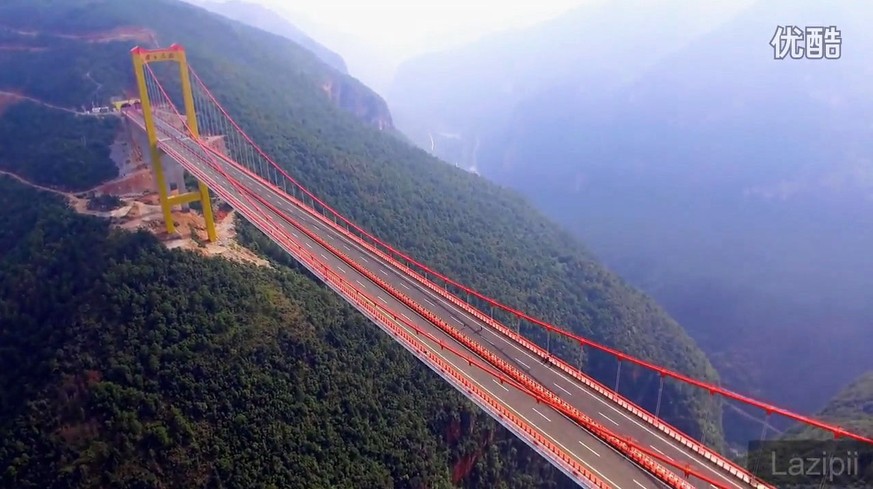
851	408
56	149
125	365
474	231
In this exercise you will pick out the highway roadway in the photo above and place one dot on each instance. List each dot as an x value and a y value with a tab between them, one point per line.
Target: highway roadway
609	464
578	395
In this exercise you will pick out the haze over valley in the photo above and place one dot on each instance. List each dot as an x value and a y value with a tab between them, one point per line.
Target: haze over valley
733	187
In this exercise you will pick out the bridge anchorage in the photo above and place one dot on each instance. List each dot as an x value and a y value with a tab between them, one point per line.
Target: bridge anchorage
590	432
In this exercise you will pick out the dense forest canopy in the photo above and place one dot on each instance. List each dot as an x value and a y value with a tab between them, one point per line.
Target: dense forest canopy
123	364
55	148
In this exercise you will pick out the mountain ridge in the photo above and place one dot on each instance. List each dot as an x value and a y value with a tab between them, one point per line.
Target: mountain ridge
261	17
852	407
524	63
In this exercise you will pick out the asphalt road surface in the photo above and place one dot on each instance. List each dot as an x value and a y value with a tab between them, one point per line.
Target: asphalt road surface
613	467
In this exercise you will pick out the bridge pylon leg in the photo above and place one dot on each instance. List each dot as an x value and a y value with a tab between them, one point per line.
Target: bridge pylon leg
174	53
191	116
151	134
163	191
208	217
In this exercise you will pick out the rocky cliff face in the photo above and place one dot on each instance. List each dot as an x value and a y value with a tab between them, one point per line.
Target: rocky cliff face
364	104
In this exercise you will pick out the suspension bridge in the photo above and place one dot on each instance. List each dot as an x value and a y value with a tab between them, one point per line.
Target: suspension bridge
589	431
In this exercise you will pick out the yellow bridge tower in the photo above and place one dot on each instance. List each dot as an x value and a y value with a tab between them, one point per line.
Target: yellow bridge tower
174	54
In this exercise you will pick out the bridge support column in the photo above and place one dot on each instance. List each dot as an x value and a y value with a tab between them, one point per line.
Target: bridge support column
176	54
191	115
208	218
163	189
617	376
154	152
660	393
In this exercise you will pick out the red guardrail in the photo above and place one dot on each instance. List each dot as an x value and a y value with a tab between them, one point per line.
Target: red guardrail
537	350
558	362
655	422
711	388
351	292
369	305
629	442
554	401
623	445
532	347
522	341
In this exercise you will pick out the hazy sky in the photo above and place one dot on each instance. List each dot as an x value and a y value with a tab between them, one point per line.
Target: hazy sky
406	27
375	35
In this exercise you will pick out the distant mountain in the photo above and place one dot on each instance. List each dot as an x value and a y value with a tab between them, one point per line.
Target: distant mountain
256	15
345	91
735	188
367	62
603	44
851	408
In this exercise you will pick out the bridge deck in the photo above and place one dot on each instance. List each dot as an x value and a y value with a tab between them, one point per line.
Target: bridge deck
610	465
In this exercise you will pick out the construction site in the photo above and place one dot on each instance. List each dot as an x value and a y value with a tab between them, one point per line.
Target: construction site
131	201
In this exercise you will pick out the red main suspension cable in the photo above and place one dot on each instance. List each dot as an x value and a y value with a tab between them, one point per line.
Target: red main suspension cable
666	372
